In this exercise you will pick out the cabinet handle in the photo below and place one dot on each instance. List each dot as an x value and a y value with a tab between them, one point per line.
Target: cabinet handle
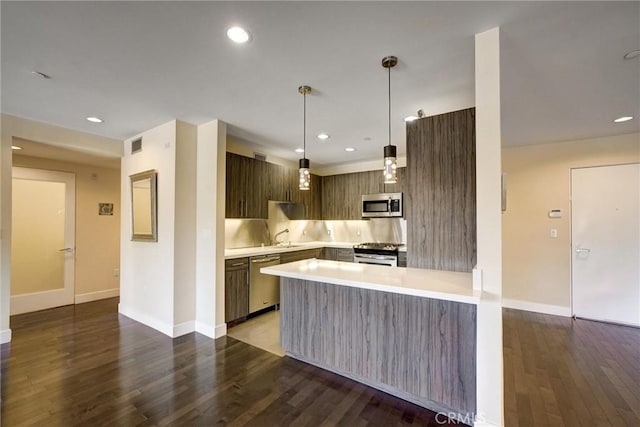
246	208
237	264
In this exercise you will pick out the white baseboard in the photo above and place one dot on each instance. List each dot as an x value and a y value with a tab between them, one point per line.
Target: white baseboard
206	330
184	328
36	301
221	330
556	310
94	296
145	319
5	336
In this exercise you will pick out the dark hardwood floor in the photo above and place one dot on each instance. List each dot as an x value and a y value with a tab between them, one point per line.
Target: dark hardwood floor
85	365
564	372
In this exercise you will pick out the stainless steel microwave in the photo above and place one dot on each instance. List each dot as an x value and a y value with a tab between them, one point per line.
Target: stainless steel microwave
382	205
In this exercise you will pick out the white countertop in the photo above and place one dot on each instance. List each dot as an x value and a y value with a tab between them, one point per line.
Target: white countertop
443	285
259	250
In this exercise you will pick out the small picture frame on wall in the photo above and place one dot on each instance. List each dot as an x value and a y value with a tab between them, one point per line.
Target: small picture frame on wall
105	208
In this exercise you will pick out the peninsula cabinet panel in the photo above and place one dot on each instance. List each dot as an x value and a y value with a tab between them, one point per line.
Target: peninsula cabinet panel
420	349
441	197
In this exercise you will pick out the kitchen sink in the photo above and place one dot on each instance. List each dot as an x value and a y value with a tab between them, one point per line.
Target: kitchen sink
286	245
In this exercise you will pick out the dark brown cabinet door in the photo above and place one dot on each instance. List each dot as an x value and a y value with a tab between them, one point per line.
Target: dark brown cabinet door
286	257
236	289
247	187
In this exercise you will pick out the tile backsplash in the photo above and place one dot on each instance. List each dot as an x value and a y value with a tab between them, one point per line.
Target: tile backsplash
242	233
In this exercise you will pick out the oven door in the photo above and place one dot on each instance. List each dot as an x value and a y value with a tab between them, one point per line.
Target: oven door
390	260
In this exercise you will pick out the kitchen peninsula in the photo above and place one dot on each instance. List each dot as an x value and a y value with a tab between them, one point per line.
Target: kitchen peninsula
409	332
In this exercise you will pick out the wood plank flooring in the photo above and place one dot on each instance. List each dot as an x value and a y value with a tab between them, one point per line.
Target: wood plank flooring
564	372
86	365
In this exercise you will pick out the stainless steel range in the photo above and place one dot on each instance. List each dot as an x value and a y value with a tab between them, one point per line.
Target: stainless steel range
376	253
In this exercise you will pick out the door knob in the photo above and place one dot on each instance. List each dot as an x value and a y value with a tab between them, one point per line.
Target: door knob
582	250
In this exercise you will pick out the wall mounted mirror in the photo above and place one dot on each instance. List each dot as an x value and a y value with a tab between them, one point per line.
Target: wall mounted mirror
144	203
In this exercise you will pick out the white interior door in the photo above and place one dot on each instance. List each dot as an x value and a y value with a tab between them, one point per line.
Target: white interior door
42	239
605	234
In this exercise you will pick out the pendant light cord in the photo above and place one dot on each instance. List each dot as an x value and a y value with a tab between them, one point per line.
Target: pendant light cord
304	125
389	105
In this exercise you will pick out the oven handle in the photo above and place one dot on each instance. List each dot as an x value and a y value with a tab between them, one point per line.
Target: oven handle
373	256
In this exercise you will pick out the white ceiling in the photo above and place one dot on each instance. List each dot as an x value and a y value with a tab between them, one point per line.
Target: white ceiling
140	64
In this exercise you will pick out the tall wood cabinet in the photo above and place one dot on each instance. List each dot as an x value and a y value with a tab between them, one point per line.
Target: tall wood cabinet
441	197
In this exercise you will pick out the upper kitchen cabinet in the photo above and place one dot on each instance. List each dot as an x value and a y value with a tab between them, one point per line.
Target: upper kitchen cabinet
283	186
251	183
342	194
246	187
441	197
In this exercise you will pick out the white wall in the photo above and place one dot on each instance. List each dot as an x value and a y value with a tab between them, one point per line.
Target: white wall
211	179
173	284
147	268
489	377
40	132
537	268
185	230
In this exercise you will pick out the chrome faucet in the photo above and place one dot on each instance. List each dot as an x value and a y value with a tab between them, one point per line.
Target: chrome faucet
275	237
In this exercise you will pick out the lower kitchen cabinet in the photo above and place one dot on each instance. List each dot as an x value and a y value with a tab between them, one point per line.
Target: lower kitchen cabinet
299	255
338	254
236	289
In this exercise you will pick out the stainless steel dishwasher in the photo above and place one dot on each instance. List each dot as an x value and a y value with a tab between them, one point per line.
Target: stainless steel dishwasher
264	289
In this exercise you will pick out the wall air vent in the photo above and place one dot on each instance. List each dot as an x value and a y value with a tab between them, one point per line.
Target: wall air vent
136	146
260	156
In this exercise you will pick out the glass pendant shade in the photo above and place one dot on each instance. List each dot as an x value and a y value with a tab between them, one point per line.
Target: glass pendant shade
390	169
304	175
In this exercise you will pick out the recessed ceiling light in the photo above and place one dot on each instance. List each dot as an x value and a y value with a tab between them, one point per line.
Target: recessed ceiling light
632	54
323	136
95	119
410	118
16	147
623	119
299	150
350	149
238	35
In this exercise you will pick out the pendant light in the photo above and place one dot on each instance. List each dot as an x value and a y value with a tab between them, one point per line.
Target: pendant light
390	169
303	172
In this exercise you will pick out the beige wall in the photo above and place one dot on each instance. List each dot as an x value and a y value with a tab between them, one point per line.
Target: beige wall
97	237
536	267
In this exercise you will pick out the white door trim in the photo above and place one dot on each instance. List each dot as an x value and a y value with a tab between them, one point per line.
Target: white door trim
54	298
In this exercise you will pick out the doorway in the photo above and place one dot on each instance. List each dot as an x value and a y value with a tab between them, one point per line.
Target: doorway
605	235
43	239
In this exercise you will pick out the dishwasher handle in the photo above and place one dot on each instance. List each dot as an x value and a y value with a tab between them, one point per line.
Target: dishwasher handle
263	260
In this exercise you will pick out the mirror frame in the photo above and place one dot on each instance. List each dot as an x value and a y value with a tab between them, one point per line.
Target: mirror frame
152	175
